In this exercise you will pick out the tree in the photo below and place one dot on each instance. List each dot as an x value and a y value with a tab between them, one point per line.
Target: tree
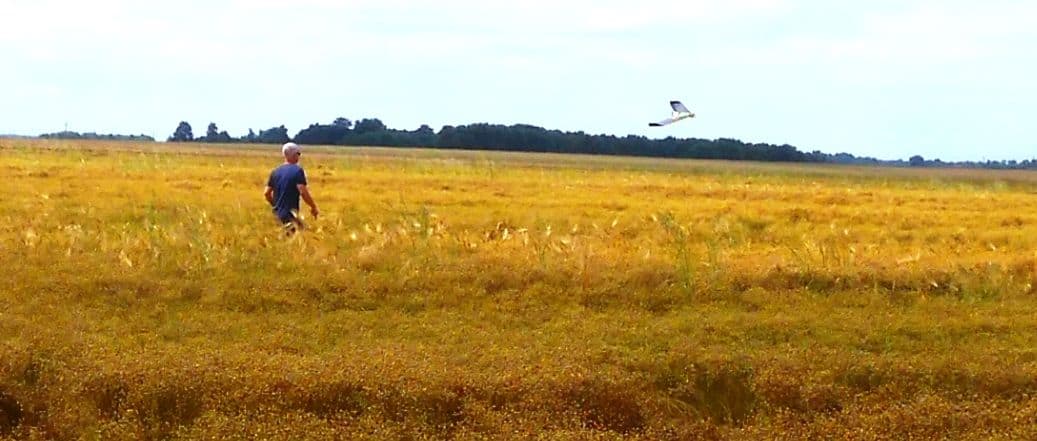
182	134
368	125
425	136
342	122
212	132
916	161
447	137
274	135
323	134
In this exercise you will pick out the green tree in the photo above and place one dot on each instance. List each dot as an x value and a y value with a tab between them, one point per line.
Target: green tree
324	134
343	122
274	135
212	132
369	125
182	134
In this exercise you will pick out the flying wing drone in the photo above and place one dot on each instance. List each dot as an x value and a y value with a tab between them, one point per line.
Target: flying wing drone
679	112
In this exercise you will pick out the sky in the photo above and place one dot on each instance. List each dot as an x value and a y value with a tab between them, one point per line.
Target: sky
945	79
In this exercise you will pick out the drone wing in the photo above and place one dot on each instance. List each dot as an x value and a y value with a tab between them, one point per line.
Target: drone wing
661	123
678	107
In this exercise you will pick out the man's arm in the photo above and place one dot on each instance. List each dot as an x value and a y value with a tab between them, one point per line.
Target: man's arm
269	195
305	193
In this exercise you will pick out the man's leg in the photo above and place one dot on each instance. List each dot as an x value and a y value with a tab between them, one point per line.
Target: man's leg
291	224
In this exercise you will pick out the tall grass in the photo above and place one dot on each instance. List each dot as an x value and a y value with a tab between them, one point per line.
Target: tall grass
149	294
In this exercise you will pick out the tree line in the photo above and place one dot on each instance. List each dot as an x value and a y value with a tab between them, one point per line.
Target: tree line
529	138
518	137
67	134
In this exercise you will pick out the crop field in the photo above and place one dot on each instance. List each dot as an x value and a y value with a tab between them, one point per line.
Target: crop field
148	293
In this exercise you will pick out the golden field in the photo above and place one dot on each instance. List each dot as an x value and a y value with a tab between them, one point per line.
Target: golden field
148	293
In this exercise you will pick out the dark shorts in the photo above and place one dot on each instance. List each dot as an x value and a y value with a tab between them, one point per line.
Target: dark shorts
285	219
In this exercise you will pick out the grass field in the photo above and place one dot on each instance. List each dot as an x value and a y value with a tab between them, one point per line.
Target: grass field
148	294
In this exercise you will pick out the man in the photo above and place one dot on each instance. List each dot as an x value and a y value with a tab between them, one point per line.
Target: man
287	182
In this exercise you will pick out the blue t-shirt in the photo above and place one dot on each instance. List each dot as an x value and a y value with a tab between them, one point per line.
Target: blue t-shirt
284	181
